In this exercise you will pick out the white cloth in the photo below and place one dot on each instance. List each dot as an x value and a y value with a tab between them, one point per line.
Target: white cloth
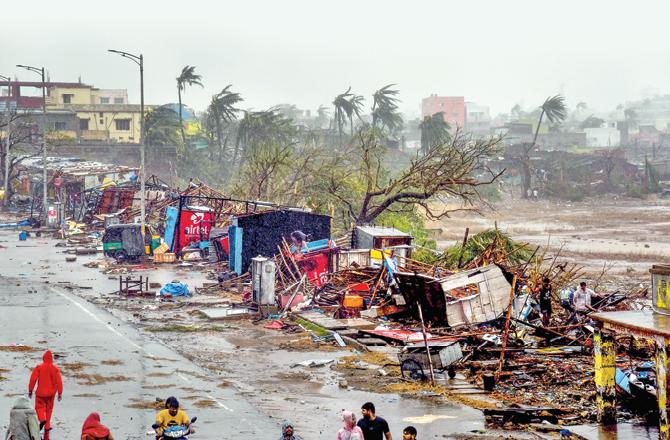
582	299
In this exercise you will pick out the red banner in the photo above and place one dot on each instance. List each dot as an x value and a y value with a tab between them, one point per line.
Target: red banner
194	226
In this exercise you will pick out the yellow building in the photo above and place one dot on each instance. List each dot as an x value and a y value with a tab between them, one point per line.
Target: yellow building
102	114
117	122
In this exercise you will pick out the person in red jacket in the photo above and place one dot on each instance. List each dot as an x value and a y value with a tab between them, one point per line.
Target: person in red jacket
49	382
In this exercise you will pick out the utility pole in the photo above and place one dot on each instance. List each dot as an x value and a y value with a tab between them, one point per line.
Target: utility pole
8	132
139	60
40	71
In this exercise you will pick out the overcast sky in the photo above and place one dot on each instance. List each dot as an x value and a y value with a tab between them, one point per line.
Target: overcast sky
305	52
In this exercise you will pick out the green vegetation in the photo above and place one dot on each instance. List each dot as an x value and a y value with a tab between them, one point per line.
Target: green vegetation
316	329
516	253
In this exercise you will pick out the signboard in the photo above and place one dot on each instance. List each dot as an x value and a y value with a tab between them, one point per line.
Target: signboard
315	266
195	224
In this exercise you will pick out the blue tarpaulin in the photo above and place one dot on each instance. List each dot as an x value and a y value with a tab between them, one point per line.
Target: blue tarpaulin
175	289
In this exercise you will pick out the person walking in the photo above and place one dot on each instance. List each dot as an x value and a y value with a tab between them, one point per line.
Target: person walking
94	430
544	298
350	431
373	426
23	423
49	383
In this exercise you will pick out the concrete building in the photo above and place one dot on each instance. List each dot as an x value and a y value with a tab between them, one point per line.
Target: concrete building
477	118
606	136
453	108
78	112
104	122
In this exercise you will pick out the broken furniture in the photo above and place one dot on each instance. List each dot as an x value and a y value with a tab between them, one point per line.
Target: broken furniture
133	287
414	363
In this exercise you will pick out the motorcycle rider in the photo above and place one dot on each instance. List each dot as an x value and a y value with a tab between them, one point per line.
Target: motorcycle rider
171	416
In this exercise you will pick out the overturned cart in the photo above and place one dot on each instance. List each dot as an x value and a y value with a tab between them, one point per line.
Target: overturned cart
414	362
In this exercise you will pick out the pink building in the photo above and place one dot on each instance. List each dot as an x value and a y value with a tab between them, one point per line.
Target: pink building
453	108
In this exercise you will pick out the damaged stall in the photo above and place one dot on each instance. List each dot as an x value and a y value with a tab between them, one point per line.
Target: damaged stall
465	298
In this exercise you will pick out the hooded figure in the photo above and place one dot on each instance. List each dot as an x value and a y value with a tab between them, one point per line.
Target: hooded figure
49	382
23	424
287	432
94	430
349	431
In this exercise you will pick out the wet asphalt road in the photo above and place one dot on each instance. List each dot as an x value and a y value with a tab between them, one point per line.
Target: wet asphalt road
46	317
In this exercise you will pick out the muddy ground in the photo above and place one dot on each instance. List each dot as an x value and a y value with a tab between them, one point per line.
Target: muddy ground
624	236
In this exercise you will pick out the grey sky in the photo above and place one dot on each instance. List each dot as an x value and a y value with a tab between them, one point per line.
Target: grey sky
305	52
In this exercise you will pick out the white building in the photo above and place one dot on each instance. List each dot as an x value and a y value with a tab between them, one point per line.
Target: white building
606	136
477	118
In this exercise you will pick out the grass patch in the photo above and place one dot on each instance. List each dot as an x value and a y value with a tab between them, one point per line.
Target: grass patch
17	348
205	403
98	379
158	387
71	367
184	328
146	404
316	329
370	357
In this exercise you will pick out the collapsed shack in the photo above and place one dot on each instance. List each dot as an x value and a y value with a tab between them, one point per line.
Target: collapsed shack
68	180
480	321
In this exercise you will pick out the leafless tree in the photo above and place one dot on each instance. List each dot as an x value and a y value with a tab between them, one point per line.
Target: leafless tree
24	143
451	172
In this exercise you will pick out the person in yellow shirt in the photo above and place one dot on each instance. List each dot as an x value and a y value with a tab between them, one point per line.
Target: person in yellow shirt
171	416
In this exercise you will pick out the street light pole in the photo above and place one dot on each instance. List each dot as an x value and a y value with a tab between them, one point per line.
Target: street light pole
139	60
40	71
8	130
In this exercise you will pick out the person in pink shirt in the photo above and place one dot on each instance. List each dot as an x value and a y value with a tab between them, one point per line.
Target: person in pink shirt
350	431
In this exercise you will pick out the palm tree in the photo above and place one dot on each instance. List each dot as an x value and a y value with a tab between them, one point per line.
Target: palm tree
385	108
161	126
190	78
355	108
223	111
343	109
555	110
263	126
434	131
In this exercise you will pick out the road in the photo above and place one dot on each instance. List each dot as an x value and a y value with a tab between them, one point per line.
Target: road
99	348
40	312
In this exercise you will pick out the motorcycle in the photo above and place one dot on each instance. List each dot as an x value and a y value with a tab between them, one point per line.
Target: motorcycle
177	432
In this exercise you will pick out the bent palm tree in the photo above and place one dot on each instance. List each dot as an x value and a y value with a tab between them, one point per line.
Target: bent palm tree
343	109
190	78
355	108
385	108
555	110
223	111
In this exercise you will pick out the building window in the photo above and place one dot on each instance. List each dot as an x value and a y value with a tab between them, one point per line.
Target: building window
122	124
102	122
83	124
118	100
104	100
60	126
67	98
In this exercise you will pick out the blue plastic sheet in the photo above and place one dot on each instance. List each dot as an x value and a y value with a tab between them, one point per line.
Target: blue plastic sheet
175	289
